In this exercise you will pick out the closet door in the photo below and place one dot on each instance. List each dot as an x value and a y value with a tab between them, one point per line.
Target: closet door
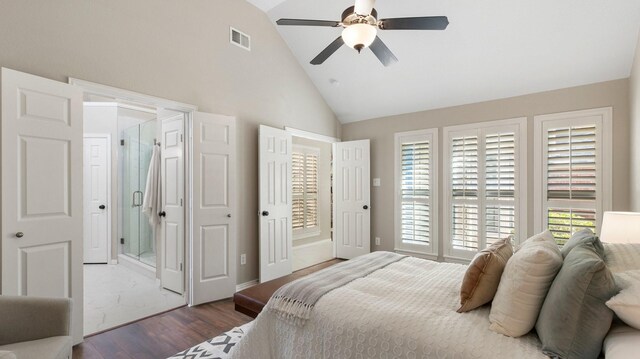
276	230
42	190
213	251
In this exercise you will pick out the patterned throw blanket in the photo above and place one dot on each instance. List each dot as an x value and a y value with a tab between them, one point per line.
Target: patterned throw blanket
295	301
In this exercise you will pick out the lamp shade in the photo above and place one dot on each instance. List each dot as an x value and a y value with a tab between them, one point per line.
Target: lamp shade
620	227
359	36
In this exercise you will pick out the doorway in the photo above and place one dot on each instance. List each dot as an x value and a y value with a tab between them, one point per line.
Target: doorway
311	202
122	223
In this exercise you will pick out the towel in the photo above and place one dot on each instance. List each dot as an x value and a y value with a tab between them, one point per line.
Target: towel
153	191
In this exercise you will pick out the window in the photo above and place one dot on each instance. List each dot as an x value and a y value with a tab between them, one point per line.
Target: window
304	171
573	168
485	170
416	188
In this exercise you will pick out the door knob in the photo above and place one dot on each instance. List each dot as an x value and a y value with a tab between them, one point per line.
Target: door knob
19	235
265	213
365	207
229	215
102	206
162	214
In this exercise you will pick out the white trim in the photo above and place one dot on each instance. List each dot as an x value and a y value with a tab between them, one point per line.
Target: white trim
139	98
604	195
245	285
109	186
126	95
419	250
458	260
480	129
310	135
122	105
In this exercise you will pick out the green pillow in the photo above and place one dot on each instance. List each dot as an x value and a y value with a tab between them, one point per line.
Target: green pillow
574	318
583	236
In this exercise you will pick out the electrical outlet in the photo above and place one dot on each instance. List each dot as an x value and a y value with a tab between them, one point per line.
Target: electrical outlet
376	182
377	241
243	259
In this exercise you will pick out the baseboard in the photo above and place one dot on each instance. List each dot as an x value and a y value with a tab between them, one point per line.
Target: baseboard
114	261
249	284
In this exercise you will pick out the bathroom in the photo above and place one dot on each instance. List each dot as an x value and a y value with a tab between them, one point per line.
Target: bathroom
123	212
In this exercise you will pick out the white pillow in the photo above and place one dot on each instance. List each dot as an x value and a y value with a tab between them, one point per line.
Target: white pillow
621	343
524	285
627	303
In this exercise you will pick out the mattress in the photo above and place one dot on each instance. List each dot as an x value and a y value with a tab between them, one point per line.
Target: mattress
405	310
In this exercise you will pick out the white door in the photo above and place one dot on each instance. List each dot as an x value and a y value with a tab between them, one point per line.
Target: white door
172	222
352	206
275	203
96	198
42	190
213	251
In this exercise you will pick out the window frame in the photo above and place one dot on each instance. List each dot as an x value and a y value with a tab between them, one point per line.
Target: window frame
481	129
428	251
604	166
304	232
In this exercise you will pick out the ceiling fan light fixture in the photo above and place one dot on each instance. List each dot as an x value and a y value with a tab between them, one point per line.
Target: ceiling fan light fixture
359	36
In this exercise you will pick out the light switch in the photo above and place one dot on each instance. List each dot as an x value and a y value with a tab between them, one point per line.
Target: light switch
376	182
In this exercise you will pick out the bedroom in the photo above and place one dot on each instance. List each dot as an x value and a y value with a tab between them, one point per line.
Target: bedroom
178	52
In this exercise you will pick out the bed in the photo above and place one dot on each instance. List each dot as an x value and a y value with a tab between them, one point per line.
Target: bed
404	310
407	309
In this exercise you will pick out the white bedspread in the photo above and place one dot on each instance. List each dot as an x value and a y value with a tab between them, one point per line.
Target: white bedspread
406	310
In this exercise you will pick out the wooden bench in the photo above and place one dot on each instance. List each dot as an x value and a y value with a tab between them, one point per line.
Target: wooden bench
251	300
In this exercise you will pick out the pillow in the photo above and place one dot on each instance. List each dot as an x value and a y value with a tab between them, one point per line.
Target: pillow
524	285
574	318
7	355
481	280
583	236
621	343
627	303
621	257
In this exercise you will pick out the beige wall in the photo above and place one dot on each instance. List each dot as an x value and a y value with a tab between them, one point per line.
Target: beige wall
381	132
177	50
634	102
324	190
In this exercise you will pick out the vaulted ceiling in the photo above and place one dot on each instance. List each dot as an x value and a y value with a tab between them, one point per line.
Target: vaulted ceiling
492	49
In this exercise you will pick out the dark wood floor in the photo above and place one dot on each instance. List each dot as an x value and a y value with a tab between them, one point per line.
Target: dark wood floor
163	335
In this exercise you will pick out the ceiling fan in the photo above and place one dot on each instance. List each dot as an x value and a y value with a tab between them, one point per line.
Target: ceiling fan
361	25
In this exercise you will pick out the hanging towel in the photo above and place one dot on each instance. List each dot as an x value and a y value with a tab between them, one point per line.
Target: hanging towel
153	191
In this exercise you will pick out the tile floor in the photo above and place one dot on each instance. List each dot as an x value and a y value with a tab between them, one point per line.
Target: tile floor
115	295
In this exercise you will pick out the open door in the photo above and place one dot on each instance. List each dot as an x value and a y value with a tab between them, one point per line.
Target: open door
213	253
173	213
352	206
42	212
275	203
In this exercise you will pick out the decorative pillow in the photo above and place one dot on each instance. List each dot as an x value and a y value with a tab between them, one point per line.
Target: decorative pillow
622	257
583	236
627	303
621	342
524	285
481	280
574	318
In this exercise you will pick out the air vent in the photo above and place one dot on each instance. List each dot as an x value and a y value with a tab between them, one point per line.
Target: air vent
241	39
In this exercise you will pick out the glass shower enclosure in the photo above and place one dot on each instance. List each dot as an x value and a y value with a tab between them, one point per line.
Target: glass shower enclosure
136	231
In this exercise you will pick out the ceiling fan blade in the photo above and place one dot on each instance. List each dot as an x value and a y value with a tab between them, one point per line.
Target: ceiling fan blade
324	55
415	23
301	22
364	7
383	53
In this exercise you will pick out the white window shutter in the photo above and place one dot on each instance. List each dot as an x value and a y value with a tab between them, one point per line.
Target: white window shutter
416	188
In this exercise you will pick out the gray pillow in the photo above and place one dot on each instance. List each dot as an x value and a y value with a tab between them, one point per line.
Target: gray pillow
574	318
583	236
